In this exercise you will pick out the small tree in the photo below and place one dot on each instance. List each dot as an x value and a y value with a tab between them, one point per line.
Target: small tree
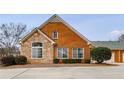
101	54
10	34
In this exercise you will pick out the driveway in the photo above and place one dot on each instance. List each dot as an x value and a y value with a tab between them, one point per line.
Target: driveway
96	72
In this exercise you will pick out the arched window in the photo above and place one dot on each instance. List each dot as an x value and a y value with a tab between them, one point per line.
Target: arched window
37	50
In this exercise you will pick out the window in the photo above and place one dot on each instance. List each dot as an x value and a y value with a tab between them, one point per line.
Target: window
37	50
55	35
77	53
62	53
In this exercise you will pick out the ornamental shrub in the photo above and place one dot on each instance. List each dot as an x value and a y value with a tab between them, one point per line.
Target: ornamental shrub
8	60
56	61
100	54
21	60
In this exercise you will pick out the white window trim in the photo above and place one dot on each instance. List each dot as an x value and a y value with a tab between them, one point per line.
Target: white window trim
62	51
53	35
77	53
36	47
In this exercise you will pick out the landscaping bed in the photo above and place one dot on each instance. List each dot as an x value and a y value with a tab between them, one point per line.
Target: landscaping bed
54	65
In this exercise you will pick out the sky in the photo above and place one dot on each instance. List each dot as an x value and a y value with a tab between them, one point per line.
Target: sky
95	27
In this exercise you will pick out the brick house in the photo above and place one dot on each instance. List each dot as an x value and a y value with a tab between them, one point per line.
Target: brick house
55	38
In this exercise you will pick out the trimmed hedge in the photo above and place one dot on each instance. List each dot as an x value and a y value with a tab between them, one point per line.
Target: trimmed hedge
20	60
67	61
11	60
71	61
56	61
8	60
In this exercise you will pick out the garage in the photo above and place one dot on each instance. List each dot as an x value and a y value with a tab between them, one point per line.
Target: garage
117	48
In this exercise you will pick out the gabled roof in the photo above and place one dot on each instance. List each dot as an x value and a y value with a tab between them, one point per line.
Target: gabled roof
113	45
56	18
36	30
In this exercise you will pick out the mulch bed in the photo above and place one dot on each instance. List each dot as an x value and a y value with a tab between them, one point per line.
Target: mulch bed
54	65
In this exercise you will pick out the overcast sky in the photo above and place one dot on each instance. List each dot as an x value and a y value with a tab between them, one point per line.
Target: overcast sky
95	27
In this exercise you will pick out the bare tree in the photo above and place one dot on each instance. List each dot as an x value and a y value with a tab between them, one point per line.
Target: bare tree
121	38
10	34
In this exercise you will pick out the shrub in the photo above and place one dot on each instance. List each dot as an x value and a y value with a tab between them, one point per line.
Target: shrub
101	54
20	60
78	60
71	61
8	60
56	61
87	61
66	61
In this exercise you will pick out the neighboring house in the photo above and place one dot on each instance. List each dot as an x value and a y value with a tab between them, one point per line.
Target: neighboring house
57	39
117	48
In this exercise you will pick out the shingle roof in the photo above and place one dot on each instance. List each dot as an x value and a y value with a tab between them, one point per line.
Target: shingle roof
113	45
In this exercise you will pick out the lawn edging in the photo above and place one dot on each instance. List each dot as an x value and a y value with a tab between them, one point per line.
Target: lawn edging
55	65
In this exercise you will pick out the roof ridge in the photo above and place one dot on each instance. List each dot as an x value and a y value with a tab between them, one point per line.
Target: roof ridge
105	41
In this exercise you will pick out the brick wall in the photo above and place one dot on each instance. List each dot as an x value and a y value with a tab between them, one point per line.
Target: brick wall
66	38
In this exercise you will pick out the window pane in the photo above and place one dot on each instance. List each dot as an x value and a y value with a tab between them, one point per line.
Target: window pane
37	52
55	34
37	44
65	53
59	53
80	53
75	53
62	53
34	53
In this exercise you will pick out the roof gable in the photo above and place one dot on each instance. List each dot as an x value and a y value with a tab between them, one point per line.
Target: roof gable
56	18
40	32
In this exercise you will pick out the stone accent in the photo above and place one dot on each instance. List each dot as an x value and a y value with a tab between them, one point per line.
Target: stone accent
26	49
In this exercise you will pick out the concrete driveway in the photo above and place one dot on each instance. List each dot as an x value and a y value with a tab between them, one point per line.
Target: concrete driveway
102	72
